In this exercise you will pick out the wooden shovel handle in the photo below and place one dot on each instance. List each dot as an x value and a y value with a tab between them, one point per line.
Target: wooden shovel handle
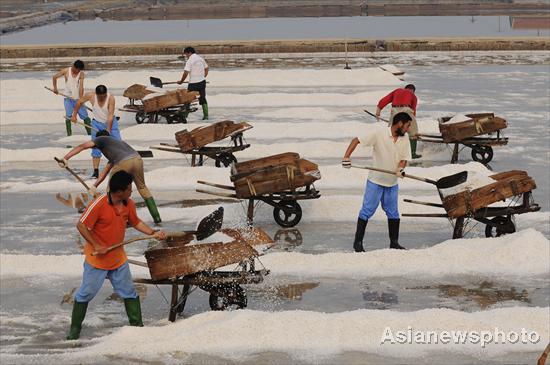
74	174
65	96
393	173
141	238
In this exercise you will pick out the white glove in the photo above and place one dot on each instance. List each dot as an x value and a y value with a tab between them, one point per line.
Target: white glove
93	191
400	173
346	163
62	163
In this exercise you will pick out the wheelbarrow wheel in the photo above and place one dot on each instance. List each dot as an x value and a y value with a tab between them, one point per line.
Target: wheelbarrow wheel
500	226
290	215
218	303
234	295
226	159
290	238
483	154
141	117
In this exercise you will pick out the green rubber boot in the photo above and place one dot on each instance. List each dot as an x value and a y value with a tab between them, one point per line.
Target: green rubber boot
88	122
414	142
205	111
133	310
68	127
79	312
152	206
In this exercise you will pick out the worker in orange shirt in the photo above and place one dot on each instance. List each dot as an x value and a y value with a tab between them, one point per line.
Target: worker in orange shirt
103	225
403	100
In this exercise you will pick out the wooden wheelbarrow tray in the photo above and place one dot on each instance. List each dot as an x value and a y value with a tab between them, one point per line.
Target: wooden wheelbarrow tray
475	204
279	180
173	106
178	263
473	134
195	143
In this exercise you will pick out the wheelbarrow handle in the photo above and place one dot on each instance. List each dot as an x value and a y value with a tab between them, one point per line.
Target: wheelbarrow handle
393	173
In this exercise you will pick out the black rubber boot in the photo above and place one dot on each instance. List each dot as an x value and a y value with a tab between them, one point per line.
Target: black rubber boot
95	175
133	310
79	312
393	228
359	234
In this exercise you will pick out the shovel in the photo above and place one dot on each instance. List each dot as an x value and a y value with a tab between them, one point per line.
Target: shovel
374	115
58	93
156	82
207	227
74	174
443	183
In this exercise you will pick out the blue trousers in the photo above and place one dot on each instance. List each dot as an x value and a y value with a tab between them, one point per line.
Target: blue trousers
100	126
374	194
69	108
92	281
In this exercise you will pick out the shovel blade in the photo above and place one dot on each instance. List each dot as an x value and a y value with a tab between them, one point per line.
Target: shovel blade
155	81
210	224
452	180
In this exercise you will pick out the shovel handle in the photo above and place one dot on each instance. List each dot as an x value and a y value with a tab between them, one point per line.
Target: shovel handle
68	97
374	115
171	82
141	238
74	174
393	173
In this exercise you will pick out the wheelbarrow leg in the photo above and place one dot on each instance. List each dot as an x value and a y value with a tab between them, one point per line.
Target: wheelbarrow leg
173	303
250	212
454	157
459	228
183	299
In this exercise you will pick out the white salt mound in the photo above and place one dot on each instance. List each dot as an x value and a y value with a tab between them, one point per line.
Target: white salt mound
474	181
156	89
458	118
153	95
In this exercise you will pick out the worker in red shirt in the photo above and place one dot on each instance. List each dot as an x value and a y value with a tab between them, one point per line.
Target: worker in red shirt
402	100
103	225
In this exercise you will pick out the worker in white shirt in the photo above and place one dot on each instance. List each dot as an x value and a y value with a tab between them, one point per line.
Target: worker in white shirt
390	151
197	70
74	90
103	108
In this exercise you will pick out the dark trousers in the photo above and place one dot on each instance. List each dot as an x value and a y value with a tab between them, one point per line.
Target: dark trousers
201	88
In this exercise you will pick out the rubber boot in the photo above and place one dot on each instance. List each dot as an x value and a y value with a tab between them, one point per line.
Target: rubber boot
152	206
393	228
205	111
414	143
68	127
88	122
79	312
359	234
95	175
133	310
